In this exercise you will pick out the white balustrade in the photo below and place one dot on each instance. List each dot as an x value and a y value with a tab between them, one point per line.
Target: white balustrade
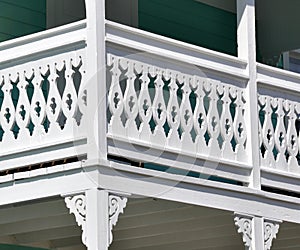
171	110
43	102
279	136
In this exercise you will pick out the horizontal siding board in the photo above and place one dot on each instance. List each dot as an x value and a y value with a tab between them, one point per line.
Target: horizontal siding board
27	16
193	22
21	17
193	36
4	37
193	7
190	21
35	5
17	29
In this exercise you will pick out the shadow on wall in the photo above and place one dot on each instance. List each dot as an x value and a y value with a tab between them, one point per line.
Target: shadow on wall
19	18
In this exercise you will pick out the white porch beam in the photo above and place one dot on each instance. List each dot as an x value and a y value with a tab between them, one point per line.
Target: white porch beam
247	50
142	182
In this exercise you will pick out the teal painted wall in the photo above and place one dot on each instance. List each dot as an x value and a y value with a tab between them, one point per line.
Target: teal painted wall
190	21
21	17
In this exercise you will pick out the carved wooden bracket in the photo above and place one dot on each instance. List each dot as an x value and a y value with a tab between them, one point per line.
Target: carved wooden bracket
271	229
244	225
77	206
116	207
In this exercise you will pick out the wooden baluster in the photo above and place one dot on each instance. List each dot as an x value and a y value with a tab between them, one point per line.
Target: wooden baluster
37	110
200	119
173	112
159	111
213	125
130	100
260	136
53	107
240	132
186	115
23	110
79	81
144	105
7	112
69	98
292	139
280	136
268	133
115	98
227	124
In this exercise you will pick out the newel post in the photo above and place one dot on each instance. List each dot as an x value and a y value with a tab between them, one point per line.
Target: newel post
96	85
247	51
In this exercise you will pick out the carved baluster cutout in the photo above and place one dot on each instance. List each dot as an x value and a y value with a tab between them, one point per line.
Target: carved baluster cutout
240	132
23	110
292	139
159	111
297	109
37	109
227	124
268	134
79	81
200	119
280	136
7	112
115	98
260	137
144	105
69	99
53	107
173	112
186	115
213	119
130	100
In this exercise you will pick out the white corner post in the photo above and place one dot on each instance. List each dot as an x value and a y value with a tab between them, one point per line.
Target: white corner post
96	82
97	219
96	212
257	233
247	51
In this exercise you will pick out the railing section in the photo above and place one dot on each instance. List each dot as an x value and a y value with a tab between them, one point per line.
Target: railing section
279	133
42	104
190	114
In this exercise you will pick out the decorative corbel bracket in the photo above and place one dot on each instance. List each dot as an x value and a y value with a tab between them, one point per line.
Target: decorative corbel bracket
116	207
271	228
244	224
245	227
77	206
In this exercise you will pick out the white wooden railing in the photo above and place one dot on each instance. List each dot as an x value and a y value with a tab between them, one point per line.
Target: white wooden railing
42	97
169	103
177	105
279	122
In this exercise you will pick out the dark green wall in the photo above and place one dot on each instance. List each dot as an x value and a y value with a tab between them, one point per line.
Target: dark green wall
21	17
190	21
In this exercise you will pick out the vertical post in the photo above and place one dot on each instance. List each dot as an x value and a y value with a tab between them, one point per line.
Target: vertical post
247	51
258	234
96	89
252	230
97	219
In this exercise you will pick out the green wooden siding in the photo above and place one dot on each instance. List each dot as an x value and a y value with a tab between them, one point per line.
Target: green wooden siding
19	18
190	21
